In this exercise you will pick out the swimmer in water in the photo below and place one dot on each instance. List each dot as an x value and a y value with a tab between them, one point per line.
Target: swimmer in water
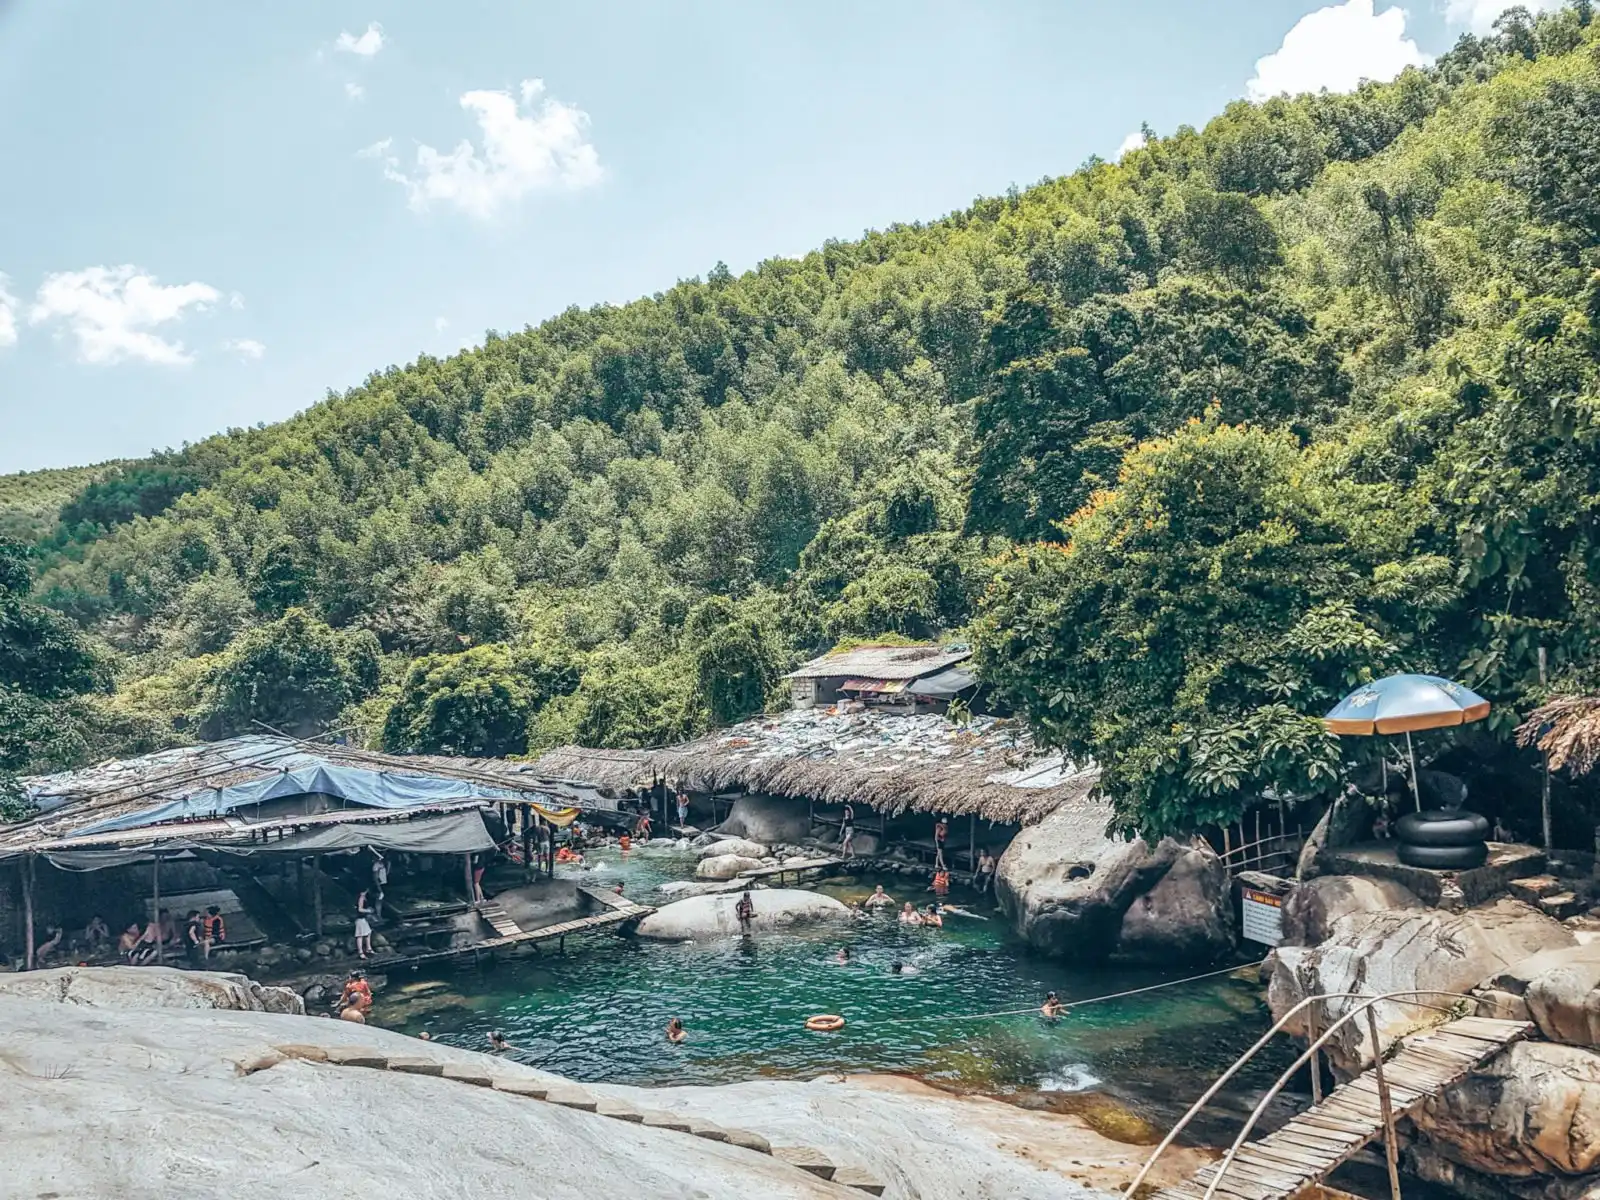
1052	1008
901	968
675	1031
498	1043
909	915
843	957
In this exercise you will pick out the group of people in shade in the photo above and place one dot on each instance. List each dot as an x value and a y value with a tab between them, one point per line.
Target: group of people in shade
160	939
982	870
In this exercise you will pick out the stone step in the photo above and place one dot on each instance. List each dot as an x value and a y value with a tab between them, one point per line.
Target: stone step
461	1073
572	1098
746	1140
416	1066
357	1056
806	1158
861	1179
1534	888
1562	905
619	1111
666	1120
706	1129
533	1089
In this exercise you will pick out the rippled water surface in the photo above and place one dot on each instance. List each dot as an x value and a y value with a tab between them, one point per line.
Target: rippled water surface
597	1013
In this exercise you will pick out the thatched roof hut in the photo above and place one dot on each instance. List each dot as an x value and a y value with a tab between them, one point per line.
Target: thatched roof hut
894	763
1568	730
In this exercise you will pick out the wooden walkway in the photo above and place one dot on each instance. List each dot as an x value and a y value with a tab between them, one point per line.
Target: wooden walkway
1286	1163
499	920
618	911
793	868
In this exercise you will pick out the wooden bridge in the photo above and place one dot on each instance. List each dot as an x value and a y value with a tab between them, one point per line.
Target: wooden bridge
616	911
1303	1153
797	869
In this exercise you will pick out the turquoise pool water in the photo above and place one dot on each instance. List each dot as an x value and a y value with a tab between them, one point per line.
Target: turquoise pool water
597	1013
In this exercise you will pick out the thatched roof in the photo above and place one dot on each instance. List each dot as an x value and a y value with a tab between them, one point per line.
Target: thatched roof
894	763
882	662
1568	730
120	791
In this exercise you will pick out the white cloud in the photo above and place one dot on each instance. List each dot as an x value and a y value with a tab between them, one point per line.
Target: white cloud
8	313
1480	15
441	323
246	348
1134	141
377	150
527	147
111	311
366	44
1336	48
355	91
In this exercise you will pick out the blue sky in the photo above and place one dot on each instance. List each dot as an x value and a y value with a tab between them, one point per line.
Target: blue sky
217	212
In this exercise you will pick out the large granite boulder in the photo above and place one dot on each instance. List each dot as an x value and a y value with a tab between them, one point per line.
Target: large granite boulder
1407	950
1533	1110
1069	889
743	847
150	987
725	866
713	916
767	819
1186	917
1312	908
1559	989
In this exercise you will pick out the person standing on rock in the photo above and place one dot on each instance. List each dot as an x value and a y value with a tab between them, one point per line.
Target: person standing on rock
941	831
363	926
380	880
683	809
745	911
847	832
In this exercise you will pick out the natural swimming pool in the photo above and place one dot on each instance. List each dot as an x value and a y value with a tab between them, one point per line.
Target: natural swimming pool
597	1013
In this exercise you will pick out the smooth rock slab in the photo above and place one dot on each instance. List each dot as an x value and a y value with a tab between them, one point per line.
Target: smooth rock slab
713	916
357	1056
806	1158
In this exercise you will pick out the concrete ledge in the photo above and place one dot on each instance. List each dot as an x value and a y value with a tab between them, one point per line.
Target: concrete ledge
416	1066
572	1098
303	1052
807	1159
666	1120
861	1179
617	1110
476	1076
356	1056
531	1088
707	1130
746	1140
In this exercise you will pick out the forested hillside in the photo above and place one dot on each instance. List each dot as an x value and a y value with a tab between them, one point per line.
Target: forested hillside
1187	444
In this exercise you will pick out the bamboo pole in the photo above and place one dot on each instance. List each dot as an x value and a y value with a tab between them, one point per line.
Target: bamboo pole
27	910
316	891
972	842
1258	839
155	907
466	866
1391	1149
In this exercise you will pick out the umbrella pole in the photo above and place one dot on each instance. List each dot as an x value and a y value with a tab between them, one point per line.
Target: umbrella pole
1416	794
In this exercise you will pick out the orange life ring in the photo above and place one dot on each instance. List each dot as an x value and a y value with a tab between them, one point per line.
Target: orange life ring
825	1023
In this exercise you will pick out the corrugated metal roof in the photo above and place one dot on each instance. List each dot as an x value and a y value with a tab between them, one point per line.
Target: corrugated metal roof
874	685
882	662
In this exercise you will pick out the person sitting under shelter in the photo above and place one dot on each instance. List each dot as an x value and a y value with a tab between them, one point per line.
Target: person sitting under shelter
128	944
95	933
46	949
213	931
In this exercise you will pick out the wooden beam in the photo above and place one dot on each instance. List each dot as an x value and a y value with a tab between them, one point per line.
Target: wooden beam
27	911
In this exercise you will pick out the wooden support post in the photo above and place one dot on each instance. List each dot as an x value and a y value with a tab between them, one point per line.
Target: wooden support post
1391	1149
466	866
1227	849
27	912
972	842
155	907
527	840
1316	1055
1258	838
316	892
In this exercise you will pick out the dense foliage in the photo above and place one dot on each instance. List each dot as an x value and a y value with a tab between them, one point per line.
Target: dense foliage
1188	444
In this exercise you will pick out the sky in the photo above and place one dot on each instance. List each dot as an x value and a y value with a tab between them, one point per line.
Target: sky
216	213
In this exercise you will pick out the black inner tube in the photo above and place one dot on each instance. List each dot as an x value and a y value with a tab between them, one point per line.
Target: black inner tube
1443	858
1436	828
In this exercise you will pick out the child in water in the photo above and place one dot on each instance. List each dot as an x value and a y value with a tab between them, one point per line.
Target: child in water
675	1031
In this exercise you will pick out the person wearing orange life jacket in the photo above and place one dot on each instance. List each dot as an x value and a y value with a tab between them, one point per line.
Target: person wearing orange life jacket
357	992
213	931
